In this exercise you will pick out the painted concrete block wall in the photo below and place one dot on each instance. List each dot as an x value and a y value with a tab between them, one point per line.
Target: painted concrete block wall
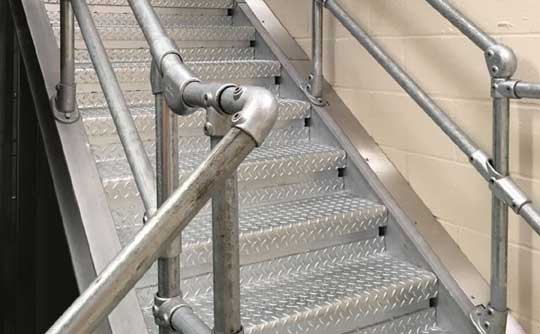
453	71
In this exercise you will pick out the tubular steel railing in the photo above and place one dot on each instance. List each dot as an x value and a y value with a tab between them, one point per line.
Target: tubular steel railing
238	118
502	64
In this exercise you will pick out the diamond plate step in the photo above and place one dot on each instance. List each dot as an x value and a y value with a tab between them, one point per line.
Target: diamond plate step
334	290
216	4
278	229
211	70
104	152
263	167
143	55
100	127
220	34
421	322
127	19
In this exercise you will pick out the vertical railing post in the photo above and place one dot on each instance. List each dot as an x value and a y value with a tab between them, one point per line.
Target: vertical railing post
64	102
499	216
502	64
315	86
225	239
167	182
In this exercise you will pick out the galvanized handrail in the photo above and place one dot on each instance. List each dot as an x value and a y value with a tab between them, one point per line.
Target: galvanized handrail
129	137
241	118
502	64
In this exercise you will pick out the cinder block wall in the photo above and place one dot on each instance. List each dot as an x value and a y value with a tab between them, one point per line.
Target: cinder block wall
453	71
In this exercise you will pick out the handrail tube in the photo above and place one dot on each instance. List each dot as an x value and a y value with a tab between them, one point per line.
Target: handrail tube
170	219
183	320
527	90
131	141
405	81
506	189
466	26
226	254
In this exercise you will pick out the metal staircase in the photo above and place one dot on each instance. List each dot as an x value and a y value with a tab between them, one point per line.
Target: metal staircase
324	245
313	248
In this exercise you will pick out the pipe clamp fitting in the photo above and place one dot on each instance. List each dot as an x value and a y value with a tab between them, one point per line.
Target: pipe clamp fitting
501	61
258	112
487	320
164	308
506	190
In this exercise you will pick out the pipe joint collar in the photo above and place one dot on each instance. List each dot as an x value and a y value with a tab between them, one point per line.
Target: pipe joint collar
504	88
501	61
161	48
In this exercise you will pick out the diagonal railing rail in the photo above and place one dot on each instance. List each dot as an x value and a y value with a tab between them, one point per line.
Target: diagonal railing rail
241	117
502	64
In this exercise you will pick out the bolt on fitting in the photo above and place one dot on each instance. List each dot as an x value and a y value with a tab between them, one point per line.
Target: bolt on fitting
501	61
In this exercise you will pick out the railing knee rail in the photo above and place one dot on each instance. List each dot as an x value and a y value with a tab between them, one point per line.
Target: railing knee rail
502	64
243	117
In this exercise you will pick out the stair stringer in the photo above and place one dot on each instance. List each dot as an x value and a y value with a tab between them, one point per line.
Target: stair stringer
87	220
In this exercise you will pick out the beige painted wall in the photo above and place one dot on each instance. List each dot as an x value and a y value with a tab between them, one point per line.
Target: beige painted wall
453	71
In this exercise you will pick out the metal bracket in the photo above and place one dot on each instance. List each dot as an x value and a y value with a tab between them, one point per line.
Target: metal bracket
503	88
487	320
164	308
505	189
502	186
62	116
313	99
217	123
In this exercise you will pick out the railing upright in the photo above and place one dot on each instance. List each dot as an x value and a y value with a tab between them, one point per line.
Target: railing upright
315	82
502	64
63	104
169	273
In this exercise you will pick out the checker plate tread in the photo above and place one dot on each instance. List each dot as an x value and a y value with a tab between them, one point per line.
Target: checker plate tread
318	291
222	70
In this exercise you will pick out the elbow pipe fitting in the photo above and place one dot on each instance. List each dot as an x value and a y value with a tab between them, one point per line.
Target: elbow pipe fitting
501	61
254	110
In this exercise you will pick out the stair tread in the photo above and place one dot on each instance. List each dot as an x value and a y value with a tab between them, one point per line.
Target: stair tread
338	289
422	322
98	121
205	70
279	228
218	4
168	21
185	33
263	162
143	55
